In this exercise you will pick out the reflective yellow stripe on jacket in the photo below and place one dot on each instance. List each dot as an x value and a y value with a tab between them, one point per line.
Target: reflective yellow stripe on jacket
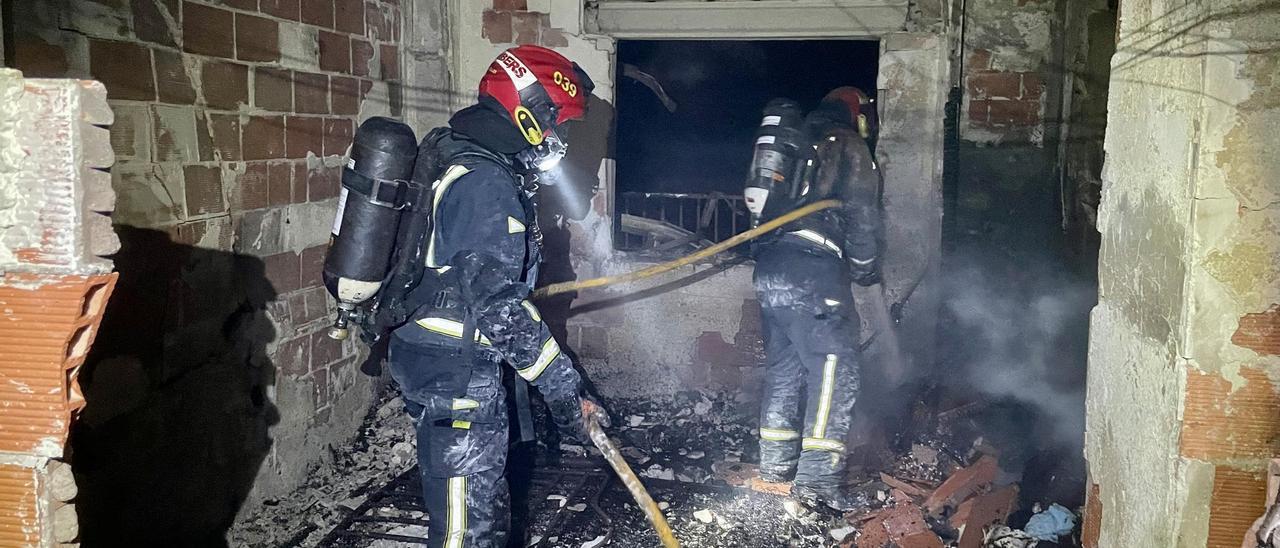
449	328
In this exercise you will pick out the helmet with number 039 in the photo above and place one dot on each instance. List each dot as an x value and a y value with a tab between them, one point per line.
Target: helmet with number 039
539	90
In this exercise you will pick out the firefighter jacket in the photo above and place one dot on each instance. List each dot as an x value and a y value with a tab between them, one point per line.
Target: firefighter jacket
482	256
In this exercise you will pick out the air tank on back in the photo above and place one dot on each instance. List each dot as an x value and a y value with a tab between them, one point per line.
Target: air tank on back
772	187
375	184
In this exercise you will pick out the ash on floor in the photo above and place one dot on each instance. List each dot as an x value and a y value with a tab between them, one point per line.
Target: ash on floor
384	450
695	454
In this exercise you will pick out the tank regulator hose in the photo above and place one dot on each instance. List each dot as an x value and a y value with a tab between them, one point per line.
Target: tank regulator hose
736	240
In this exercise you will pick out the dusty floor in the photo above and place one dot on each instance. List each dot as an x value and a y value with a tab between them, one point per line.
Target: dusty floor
694	462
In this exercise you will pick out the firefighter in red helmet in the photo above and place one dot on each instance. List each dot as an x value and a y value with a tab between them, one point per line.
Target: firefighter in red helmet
471	312
803	278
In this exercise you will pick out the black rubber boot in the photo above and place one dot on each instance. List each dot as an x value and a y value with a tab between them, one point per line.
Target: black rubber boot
829	498
774	477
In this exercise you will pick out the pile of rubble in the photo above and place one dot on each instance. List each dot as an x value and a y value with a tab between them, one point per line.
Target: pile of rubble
338	485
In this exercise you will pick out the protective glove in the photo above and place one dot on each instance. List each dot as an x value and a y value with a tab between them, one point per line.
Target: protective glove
867	274
571	416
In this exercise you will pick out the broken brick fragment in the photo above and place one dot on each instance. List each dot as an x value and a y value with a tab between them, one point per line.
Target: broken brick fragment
974	516
962	485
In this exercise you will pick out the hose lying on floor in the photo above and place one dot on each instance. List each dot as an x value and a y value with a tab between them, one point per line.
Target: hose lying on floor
739	239
632	482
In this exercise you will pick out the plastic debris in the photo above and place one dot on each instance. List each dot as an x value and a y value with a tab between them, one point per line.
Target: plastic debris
594	542
1050	524
705	516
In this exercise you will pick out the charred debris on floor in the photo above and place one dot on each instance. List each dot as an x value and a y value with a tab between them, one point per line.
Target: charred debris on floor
944	485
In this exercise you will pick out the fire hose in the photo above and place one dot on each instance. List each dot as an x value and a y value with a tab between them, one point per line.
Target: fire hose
739	239
632	483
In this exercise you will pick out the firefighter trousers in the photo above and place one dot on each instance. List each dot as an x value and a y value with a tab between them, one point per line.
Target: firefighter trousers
462	458
811	383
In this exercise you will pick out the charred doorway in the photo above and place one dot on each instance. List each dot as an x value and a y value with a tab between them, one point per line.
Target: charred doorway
687	112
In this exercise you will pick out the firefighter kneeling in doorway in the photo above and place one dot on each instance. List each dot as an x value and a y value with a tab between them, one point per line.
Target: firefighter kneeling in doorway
802	278
473	313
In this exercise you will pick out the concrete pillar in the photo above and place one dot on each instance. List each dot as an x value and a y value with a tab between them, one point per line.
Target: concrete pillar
912	89
1183	408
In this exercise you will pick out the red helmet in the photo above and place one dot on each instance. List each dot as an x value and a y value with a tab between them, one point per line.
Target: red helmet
538	88
861	113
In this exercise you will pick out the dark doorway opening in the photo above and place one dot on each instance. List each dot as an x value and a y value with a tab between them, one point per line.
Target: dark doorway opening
679	152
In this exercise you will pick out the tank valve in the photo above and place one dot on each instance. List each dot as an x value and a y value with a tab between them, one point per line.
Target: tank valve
341	325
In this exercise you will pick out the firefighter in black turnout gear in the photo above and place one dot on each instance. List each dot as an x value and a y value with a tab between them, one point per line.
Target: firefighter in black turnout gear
802	278
472	311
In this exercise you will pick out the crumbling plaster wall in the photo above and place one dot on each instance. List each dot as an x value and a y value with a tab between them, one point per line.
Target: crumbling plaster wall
1185	345
213	386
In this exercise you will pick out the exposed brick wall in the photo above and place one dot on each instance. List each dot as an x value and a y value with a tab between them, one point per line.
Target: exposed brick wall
1002	100
228	111
233	119
511	22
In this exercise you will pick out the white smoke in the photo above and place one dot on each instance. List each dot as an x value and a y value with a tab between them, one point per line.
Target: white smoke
1022	334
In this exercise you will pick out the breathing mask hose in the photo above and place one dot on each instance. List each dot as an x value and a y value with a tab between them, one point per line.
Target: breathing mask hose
739	239
632	482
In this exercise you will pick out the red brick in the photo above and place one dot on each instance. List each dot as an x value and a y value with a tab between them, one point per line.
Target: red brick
1015	113
207	30
1032	85
1223	421
361	57
279	180
553	38
263	138
316	305
312	263
1091	529
203	186
172	78
125	68
282	272
323	183
977	515
310	93
510	5
1239	497
238	4
1259	332
318	12
324	350
252	188
998	85
978	110
293	357
226	85
257	39
335	52
525	26
150	23
299	182
337	136
962	484
225	136
303	135
496	26
37	58
273	89
349	16
284	9
345	94
389	62
980	59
